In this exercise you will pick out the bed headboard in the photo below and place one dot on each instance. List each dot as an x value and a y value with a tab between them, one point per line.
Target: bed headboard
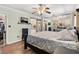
77	32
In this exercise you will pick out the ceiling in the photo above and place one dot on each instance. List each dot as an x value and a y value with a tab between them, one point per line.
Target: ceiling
55	9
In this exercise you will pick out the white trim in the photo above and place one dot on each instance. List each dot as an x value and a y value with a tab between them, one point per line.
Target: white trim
13	42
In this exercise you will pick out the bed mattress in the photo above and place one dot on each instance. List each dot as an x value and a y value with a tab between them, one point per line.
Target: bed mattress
49	43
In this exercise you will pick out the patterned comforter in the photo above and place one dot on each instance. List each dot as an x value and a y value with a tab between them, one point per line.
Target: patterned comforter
49	43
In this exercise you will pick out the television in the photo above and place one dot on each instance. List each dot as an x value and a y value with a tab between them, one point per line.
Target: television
24	20
49	23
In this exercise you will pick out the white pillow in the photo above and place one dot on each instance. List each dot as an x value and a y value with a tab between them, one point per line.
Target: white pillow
66	35
73	34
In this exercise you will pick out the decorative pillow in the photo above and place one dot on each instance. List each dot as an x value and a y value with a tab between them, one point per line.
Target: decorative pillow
73	34
66	35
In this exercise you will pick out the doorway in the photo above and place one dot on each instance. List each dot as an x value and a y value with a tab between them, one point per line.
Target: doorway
2	30
1	33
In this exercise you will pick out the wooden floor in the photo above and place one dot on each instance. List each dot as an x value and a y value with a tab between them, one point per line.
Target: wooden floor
16	48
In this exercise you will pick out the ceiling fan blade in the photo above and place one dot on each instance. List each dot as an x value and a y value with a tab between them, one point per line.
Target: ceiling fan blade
46	8
34	12
34	8
48	12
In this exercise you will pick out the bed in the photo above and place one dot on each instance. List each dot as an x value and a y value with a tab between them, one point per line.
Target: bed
48	41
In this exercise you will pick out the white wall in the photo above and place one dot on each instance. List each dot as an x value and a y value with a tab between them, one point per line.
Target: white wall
13	34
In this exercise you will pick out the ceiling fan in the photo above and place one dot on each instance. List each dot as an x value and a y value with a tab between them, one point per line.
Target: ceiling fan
41	9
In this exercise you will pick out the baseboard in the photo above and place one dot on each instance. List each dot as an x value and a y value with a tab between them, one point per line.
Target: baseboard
13	42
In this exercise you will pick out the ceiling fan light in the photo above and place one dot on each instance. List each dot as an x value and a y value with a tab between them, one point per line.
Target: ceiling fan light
53	11
39	12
